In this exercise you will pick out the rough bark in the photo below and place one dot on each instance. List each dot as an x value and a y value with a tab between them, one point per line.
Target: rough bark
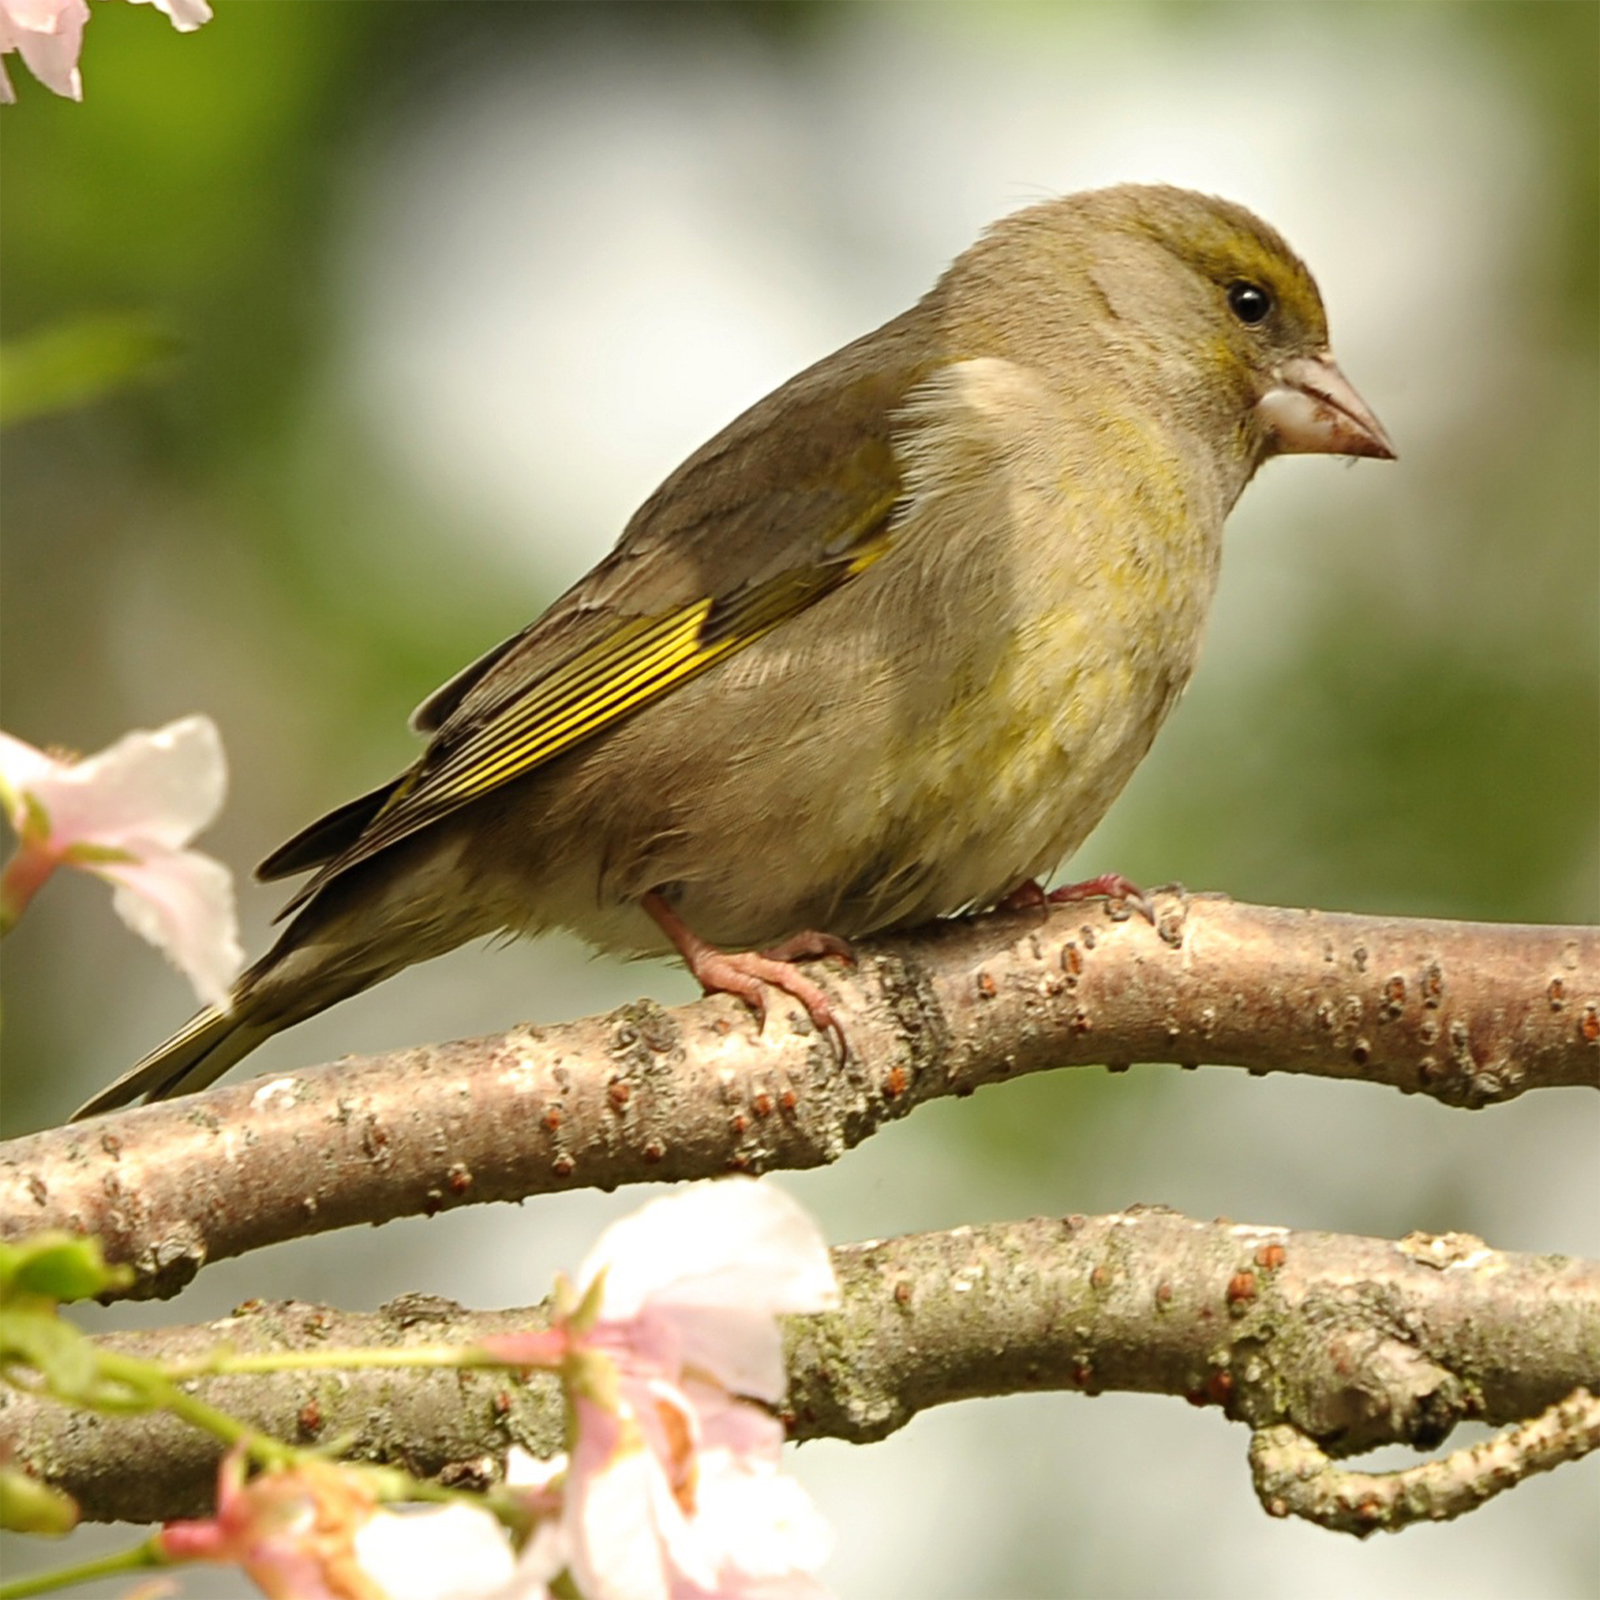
1319	1343
1469	1013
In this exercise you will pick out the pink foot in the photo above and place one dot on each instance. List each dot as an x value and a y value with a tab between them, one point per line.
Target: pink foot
809	946
749	973
1111	885
1027	896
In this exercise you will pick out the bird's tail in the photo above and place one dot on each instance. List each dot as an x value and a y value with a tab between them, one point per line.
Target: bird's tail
196	1055
360	929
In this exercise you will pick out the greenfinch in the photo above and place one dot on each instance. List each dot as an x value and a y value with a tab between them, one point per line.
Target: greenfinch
884	650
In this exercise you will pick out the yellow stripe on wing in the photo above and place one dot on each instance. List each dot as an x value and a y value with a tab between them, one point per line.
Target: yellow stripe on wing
637	663
545	725
629	668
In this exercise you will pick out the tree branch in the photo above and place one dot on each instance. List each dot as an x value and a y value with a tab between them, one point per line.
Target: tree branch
1469	1013
1324	1345
1293	1476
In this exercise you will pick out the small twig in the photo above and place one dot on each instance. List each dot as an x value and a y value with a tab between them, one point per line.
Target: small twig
1294	1477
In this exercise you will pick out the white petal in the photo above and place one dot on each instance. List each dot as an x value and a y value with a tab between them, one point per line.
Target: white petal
759	1527
716	1262
182	902
731	1242
46	16
52	52
762	1528
185	15
452	1552
740	1348
524	1470
164	786
617	1498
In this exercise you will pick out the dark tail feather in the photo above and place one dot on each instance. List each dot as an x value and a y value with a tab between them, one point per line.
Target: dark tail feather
327	836
364	929
196	1055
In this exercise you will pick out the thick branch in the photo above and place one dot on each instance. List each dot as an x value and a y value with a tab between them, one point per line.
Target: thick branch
1467	1012
1347	1342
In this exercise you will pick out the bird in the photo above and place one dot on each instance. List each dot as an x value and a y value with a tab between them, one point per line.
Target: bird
882	651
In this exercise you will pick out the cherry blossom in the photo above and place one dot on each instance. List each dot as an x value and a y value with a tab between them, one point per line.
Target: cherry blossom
450	1552
672	1490
315	1532
125	815
696	1278
48	35
184	15
293	1532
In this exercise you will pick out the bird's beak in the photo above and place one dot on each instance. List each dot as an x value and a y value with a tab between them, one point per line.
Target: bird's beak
1311	409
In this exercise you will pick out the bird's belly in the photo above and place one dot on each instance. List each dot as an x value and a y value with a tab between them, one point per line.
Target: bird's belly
992	800
911	760
914	816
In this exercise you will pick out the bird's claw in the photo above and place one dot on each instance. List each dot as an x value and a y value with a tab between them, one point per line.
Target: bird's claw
1110	885
749	974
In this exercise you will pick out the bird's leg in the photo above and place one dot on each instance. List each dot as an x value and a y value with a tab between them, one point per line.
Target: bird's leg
1028	896
1110	884
808	946
747	973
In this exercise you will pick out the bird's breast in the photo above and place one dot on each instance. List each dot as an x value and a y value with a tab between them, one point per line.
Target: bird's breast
952	721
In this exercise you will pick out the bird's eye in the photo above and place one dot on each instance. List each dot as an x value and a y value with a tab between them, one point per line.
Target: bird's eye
1249	302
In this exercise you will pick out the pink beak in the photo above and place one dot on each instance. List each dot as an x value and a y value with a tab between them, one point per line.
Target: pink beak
1311	409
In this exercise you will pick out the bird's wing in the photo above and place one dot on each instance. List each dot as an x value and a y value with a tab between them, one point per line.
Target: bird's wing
734	544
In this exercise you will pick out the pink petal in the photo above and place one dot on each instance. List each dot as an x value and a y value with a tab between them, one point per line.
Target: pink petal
185	15
732	1241
163	786
182	902
617	1497
716	1262
285	1570
46	16
759	1525
744	1531
734	1430
51	51
740	1348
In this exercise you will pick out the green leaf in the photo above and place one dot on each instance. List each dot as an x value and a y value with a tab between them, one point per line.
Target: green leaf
34	1337
57	1266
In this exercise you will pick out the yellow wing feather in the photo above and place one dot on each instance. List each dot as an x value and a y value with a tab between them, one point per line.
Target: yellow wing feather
636	663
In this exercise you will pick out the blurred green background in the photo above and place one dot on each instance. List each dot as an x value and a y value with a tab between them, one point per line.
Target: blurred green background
361	328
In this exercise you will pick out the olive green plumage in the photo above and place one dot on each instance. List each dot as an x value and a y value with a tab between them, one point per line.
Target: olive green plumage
882	650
